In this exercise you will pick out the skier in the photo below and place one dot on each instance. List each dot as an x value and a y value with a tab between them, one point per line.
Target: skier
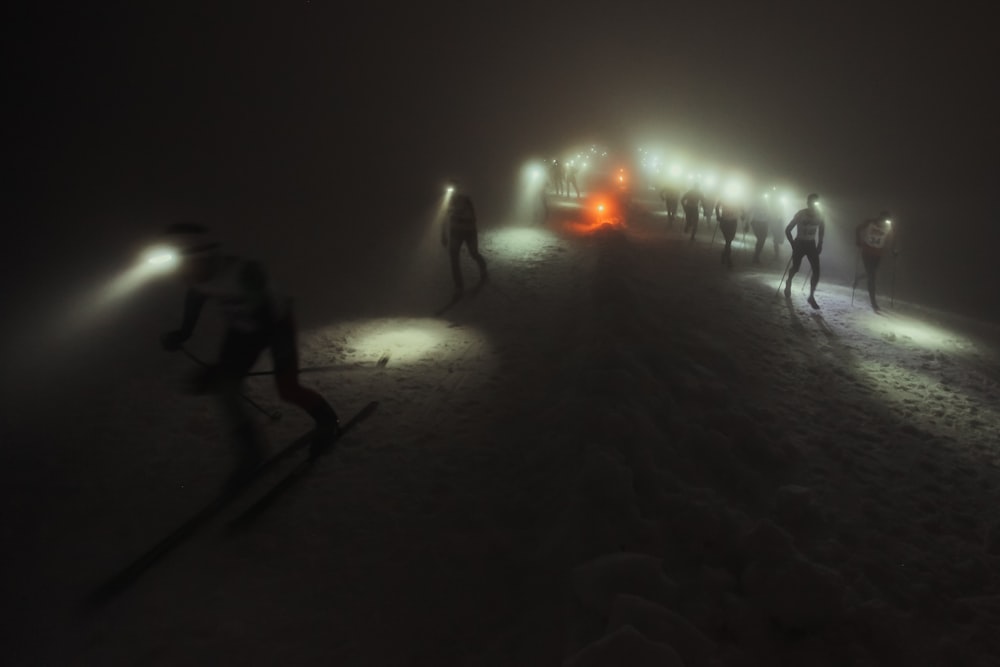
689	202
460	227
669	196
873	237
257	317
808	242
543	199
557	177
776	231
708	205
729	214
571	173
761	220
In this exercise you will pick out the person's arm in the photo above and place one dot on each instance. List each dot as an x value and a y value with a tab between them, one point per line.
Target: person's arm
193	302
790	227
822	231
857	233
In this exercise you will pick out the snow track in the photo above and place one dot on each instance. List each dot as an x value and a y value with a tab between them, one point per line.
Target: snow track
618	450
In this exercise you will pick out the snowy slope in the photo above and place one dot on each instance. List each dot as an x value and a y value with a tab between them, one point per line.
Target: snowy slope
619	452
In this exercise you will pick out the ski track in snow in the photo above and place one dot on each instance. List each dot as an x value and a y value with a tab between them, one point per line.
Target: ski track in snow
808	487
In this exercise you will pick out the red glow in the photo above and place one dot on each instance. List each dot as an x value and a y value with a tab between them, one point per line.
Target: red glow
600	211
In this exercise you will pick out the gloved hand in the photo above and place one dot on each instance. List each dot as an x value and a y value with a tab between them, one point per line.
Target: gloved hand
173	340
819	249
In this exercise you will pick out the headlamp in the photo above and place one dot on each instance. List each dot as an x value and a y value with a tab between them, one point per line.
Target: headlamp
161	257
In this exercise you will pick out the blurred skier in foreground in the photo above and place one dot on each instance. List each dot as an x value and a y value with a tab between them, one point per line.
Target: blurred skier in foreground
808	242
257	317
873	237
460	228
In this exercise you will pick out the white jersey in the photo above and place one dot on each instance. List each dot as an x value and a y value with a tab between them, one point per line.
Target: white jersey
807	223
875	235
246	297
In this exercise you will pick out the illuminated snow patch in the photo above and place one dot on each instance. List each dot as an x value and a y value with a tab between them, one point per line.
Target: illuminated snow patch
519	242
930	336
402	340
405	343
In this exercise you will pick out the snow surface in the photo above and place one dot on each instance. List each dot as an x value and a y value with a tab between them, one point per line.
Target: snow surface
618	452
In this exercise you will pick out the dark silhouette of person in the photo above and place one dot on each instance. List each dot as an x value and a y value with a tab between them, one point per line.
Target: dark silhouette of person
762	217
460	228
689	202
777	230
708	203
873	237
557	176
543	199
257	317
571	173
729	214
670	199
808	242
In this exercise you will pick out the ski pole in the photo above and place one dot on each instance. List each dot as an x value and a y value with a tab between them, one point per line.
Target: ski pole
273	415
782	279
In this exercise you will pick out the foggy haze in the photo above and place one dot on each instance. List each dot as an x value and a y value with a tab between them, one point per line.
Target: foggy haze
607	392
320	139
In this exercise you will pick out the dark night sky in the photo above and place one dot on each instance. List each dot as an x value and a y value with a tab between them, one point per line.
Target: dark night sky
120	117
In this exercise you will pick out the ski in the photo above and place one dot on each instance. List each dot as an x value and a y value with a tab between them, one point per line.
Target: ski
297	472
130	573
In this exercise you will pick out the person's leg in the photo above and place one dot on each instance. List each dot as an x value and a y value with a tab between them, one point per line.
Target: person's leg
728	228
871	263
760	233
237	356
455	241
797	252
285	353
813	257
472	242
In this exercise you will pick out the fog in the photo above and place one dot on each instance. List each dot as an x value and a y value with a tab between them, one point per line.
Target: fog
318	141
